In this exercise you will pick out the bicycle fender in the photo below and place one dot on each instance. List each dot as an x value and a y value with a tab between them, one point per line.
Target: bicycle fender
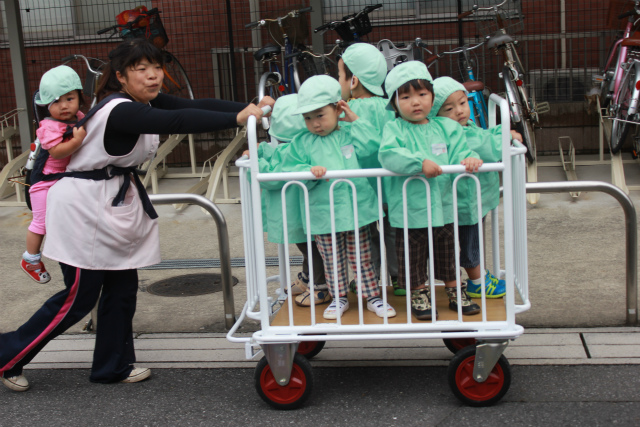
635	97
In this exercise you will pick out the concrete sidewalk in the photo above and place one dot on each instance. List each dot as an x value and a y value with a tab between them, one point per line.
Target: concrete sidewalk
598	346
576	274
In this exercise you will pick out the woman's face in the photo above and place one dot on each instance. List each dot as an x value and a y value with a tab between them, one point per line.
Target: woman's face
142	81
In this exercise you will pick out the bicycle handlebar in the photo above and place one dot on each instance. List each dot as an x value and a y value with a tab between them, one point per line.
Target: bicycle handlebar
346	19
291	14
477	8
84	58
130	24
629	13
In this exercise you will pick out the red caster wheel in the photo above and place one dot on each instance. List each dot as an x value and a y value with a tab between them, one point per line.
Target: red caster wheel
456	344
291	396
310	349
467	389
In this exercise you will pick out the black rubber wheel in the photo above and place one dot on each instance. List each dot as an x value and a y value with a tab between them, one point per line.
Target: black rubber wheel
620	129
175	80
291	396
525	129
309	349
467	389
456	344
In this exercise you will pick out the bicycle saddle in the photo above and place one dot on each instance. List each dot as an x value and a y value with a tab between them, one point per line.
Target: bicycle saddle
498	40
266	51
633	41
473	86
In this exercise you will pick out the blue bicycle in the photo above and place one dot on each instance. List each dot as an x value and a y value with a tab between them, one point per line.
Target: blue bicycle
284	31
477	102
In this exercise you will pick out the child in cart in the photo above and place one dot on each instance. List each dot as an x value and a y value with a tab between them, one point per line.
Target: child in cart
61	95
284	127
414	144
327	146
361	73
451	101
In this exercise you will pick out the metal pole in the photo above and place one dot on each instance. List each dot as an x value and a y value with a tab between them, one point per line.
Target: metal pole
223	244
631	226
19	69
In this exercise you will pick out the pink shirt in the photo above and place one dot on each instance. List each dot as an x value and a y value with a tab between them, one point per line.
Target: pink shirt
50	134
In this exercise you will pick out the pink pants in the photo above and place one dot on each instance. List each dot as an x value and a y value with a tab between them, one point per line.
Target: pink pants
38	194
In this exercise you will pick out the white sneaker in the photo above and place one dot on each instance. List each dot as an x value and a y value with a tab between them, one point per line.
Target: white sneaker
137	374
331	312
17	383
377	306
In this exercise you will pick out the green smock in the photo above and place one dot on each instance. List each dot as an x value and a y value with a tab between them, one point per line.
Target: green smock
405	145
337	151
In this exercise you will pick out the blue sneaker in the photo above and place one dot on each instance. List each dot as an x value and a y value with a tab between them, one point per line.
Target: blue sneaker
495	288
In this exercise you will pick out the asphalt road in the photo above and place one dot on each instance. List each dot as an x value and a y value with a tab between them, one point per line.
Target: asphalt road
420	396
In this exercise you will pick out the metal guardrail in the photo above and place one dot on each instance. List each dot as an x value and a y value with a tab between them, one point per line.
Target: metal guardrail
223	244
631	226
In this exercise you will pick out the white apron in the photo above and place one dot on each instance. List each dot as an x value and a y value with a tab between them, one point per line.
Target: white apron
83	229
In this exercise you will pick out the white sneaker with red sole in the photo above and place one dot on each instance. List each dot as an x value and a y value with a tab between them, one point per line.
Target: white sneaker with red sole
36	271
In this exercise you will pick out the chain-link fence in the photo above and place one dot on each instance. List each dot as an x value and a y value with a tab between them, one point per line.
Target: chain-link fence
562	43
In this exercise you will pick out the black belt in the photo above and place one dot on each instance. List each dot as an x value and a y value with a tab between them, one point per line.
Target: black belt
106	174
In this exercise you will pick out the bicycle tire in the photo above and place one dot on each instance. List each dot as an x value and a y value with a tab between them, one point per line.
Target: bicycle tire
175	80
523	126
621	126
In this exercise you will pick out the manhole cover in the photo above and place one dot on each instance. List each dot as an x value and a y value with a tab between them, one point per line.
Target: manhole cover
188	285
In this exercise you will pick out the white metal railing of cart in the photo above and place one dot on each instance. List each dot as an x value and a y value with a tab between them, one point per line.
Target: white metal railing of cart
284	375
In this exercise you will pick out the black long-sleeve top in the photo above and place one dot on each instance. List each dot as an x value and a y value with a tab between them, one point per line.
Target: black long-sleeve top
166	114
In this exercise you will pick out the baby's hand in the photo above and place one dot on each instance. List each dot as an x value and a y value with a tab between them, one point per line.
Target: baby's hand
349	115
318	171
79	133
431	169
516	135
472	164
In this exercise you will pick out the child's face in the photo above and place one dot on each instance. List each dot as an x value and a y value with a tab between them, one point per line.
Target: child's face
415	105
345	84
322	121
456	107
66	107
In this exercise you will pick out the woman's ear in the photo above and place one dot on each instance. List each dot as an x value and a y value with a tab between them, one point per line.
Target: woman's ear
121	78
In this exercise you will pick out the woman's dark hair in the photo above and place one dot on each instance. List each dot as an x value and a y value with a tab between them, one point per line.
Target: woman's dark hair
416	84
43	110
126	55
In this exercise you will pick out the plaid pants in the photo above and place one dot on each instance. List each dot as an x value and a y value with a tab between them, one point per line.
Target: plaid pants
346	254
444	257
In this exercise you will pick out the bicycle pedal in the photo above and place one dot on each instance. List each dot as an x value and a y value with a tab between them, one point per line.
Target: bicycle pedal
543	107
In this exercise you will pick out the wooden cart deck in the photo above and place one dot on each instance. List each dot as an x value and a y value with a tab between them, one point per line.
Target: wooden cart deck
301	315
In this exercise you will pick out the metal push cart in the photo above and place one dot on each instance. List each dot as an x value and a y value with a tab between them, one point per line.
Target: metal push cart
479	374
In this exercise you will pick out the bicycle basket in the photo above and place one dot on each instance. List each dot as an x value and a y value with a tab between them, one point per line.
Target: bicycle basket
360	25
149	27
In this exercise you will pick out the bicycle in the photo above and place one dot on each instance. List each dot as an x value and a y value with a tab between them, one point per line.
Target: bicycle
523	108
273	82
619	92
477	102
147	24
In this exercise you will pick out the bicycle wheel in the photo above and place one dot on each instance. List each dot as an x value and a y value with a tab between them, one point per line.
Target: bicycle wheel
526	130
175	81
621	125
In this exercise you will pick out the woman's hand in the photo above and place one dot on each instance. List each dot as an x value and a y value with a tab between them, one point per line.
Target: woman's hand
250	110
349	115
471	164
267	100
431	169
